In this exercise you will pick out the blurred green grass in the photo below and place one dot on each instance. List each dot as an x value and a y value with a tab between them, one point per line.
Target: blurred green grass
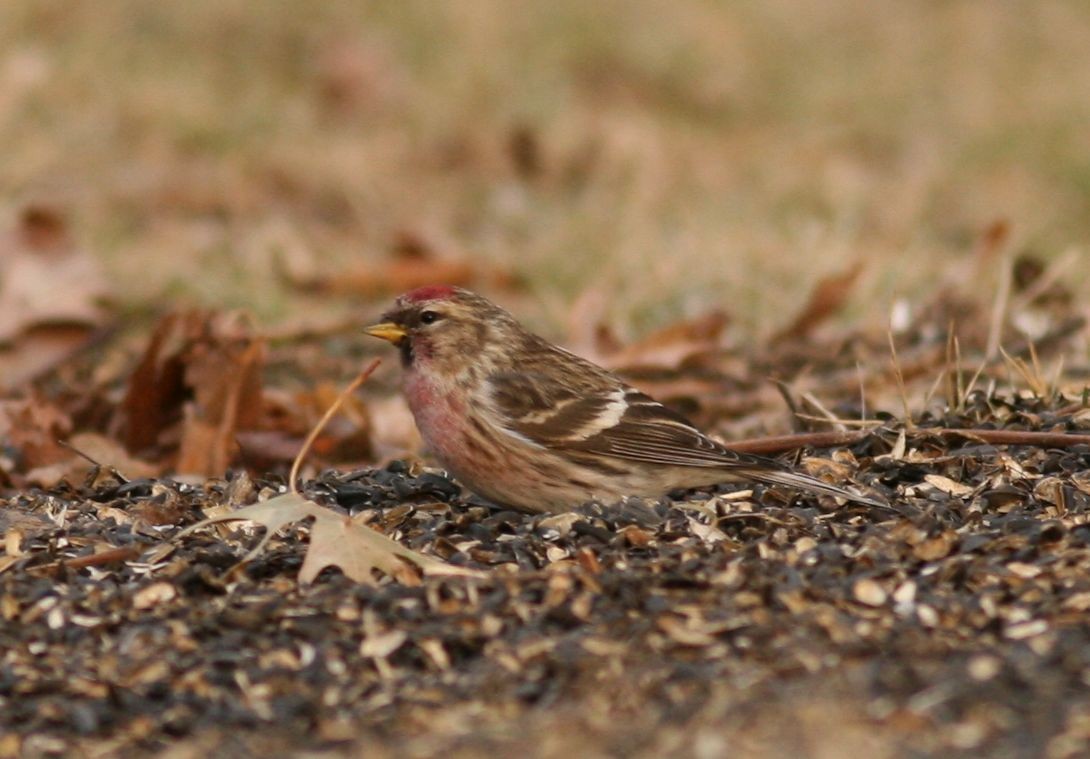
673	155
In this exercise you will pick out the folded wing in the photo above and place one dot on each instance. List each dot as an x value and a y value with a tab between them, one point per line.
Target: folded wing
616	421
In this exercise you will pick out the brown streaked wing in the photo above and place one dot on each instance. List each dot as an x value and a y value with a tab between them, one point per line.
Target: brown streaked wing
653	434
548	413
541	409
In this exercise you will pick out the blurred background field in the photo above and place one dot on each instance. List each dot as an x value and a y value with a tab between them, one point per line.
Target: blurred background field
671	156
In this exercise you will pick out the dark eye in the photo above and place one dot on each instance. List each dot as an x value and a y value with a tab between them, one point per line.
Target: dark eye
429	317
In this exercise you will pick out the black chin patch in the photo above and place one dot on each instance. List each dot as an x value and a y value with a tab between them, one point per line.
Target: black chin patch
406	349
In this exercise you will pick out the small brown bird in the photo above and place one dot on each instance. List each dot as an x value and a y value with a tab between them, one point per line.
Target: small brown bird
529	425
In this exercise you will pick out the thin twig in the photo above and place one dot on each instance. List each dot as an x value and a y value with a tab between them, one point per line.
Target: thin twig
1019	437
782	443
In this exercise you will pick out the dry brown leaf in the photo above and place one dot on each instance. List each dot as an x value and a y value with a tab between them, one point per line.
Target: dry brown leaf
418	258
30	428
202	371
40	348
156	388
827	297
672	345
51	294
45	278
76	467
110	453
226	379
399	275
335	540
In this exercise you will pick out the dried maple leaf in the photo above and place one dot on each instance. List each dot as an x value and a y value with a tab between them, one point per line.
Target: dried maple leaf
335	540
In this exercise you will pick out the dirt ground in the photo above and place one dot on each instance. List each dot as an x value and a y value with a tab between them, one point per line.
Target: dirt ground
755	621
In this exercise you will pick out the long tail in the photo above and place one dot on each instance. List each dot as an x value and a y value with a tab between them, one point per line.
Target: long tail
811	484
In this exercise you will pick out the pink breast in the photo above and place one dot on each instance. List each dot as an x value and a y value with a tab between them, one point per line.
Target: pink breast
439	417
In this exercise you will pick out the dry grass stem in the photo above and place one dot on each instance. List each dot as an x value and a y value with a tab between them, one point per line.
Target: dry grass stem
999	306
827	415
899	376
954	391
352	387
843	424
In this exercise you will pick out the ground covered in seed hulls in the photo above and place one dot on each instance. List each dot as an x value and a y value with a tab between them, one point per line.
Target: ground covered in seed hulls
751	622
760	622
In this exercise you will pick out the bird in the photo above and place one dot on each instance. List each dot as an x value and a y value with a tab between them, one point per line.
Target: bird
528	425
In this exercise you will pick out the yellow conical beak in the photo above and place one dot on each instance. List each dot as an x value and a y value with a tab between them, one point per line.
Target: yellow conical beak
387	331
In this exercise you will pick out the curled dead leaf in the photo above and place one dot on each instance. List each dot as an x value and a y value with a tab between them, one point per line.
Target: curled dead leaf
335	540
201	371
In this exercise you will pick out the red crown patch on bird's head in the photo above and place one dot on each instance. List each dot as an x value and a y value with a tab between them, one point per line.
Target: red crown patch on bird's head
430	292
